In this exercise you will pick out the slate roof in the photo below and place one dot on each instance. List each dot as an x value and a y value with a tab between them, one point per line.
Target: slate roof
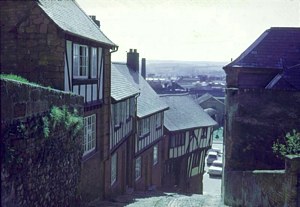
148	102
72	19
205	97
288	80
121	88
277	47
184	113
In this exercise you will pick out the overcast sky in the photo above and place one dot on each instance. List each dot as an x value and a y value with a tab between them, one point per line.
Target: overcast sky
201	30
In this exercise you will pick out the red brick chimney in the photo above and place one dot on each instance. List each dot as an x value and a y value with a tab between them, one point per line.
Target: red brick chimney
133	60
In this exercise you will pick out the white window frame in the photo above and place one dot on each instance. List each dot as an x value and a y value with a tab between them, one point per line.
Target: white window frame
80	61
155	154
89	136
114	168
138	168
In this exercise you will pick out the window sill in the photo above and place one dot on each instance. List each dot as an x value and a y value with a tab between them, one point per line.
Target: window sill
158	128
144	135
88	155
118	126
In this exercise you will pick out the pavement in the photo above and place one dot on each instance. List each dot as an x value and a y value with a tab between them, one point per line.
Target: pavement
211	195
161	199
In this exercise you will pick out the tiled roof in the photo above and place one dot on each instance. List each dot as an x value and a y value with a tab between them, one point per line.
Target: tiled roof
121	87
72	19
288	80
184	113
277	47
148	102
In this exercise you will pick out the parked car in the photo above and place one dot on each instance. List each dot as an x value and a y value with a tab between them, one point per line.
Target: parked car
217	150
216	168
211	156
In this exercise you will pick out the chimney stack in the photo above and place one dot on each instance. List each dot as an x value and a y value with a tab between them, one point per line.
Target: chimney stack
143	69
97	22
133	60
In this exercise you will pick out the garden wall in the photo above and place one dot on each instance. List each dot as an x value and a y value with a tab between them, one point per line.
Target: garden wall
264	187
38	170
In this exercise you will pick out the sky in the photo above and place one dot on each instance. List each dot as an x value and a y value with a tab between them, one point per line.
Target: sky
189	30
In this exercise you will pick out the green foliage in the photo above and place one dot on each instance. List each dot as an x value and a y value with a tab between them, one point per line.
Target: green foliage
290	145
14	77
63	118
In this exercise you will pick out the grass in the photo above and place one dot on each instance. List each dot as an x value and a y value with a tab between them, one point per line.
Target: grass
14	77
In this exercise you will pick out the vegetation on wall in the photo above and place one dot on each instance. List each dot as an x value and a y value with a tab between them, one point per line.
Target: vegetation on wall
14	77
42	126
288	145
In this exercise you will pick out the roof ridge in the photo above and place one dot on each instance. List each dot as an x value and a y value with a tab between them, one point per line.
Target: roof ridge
173	94
92	20
250	48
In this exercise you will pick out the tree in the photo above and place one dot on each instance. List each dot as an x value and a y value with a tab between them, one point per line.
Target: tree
289	145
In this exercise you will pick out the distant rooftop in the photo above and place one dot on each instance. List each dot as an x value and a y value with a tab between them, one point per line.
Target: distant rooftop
184	113
277	47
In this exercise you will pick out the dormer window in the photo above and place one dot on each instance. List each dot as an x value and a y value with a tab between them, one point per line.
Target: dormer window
80	61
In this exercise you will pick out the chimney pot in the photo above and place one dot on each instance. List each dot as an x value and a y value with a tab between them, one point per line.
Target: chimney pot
133	60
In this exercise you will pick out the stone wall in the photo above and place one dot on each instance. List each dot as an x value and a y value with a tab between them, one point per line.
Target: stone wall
255	119
264	187
37	170
31	44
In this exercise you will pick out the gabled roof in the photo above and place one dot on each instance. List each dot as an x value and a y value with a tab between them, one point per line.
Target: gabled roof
184	113
288	80
205	97
121	87
72	19
148	102
277	47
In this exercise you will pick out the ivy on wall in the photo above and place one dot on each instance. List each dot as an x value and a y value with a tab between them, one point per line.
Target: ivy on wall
41	126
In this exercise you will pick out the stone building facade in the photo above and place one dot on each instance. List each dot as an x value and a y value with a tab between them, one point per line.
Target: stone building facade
56	44
257	114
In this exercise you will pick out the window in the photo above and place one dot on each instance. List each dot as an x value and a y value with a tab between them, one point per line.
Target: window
138	168
127	108
144	126
94	62
117	114
155	154
89	138
204	133
177	140
80	61
158	120
113	168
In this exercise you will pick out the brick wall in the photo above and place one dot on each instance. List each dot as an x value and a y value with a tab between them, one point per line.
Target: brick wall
35	170
31	44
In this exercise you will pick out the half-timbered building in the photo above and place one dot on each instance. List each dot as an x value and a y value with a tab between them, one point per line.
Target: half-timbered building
147	149
188	136
122	133
56	44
